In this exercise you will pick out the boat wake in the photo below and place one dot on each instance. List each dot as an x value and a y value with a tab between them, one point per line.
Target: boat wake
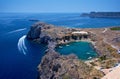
21	45
18	30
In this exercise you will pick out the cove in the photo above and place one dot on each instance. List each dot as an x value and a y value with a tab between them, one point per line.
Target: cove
83	50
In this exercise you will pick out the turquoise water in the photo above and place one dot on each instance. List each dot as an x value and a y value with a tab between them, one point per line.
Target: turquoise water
83	50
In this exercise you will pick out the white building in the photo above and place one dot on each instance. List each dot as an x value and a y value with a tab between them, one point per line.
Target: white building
80	32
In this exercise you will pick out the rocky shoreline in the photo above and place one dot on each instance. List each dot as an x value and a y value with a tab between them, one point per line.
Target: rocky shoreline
56	66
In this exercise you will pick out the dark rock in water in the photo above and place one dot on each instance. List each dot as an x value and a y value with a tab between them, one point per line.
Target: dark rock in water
34	32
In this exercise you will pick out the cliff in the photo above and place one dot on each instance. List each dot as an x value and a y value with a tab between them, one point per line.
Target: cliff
102	14
38	32
45	33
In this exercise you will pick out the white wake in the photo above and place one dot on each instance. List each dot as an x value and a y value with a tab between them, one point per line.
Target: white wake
18	30
21	45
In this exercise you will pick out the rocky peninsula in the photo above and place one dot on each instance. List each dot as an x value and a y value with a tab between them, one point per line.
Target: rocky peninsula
56	66
102	14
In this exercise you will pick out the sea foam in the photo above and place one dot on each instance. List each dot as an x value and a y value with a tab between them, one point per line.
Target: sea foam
21	45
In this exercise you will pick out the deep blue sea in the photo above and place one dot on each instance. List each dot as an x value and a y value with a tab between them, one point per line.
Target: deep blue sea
19	58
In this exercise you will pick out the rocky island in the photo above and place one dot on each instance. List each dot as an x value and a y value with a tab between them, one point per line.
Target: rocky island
102	14
56	66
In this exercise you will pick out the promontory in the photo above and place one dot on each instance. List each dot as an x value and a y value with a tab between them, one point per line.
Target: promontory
56	66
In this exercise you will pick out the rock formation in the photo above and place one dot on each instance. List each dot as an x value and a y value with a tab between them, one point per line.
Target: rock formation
37	31
56	66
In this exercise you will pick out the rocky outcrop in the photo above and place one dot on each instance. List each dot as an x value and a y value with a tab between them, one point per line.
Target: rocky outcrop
37	31
56	66
34	32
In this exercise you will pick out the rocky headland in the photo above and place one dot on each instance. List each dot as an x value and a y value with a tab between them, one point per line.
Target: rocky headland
56	66
102	14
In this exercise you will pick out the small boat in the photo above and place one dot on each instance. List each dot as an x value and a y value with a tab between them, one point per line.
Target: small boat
60	47
90	58
67	45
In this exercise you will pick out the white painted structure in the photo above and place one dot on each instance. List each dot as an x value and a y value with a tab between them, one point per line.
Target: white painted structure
80	32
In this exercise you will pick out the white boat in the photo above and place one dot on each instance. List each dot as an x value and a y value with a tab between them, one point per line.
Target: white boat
119	51
90	58
67	45
88	52
60	46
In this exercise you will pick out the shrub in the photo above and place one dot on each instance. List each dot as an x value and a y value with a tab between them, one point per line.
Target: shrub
103	57
115	28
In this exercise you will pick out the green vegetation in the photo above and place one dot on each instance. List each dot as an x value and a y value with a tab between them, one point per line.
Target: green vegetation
115	28
102	58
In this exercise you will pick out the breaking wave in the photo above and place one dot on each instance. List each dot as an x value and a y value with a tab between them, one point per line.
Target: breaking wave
21	45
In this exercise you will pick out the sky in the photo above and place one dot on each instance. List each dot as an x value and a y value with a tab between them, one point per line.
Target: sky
59	6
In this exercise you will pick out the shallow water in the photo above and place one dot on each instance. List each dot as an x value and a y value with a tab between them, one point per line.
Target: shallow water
83	50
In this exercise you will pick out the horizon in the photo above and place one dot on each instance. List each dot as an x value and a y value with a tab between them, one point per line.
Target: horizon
58	12
53	6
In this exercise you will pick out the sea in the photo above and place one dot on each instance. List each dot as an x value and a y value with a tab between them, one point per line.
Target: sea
19	57
83	50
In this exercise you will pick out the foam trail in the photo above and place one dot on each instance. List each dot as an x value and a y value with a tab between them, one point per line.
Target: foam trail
21	45
18	30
